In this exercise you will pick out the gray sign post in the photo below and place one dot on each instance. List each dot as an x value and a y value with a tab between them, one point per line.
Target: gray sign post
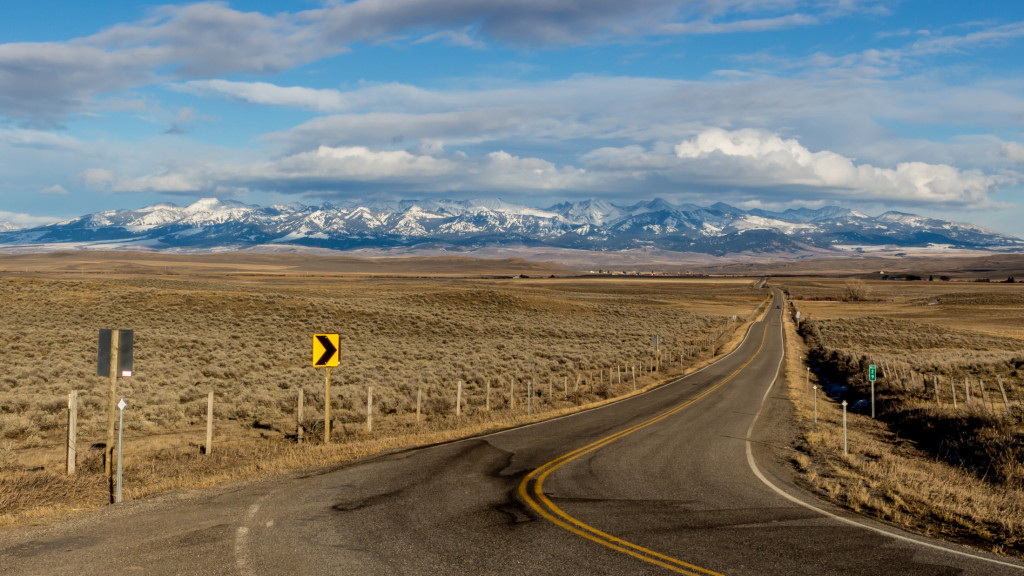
871	377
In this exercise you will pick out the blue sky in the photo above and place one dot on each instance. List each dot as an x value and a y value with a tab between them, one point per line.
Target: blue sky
909	105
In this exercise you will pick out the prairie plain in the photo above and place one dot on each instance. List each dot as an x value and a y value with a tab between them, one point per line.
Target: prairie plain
945	451
534	345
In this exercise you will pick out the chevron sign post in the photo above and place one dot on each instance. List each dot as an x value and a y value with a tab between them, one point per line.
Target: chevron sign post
326	355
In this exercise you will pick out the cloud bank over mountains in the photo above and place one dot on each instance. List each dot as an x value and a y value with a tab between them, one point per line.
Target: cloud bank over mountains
746	161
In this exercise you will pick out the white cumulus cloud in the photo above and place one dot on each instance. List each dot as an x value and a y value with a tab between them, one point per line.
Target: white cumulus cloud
1013	151
761	159
55	189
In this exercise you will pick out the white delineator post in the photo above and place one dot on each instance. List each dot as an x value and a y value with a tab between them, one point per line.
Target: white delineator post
815	403
458	400
844	428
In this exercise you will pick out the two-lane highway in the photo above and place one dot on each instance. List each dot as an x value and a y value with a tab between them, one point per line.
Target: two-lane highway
676	480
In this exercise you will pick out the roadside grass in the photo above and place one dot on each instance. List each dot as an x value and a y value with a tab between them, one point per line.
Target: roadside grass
922	464
249	341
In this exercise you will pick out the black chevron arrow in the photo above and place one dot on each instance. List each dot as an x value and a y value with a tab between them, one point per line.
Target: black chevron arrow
329	349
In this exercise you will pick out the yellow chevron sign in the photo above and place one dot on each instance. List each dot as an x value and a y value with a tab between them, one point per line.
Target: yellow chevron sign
325	350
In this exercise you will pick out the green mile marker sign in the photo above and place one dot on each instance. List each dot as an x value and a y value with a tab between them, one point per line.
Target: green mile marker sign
871	372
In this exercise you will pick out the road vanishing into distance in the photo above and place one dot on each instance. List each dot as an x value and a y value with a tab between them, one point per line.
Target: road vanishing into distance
689	478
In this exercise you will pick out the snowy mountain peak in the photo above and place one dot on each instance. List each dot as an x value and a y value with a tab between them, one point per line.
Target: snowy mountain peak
720	229
595	212
211	205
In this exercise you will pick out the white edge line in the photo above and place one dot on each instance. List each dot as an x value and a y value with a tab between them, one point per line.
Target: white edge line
850	521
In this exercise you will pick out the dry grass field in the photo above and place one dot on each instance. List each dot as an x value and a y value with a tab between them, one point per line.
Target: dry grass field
943	467
242	327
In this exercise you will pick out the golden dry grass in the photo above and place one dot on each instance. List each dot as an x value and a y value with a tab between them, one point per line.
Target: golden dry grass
922	463
248	338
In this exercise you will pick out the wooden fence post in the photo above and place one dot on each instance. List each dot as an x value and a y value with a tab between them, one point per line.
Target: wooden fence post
935	383
369	409
488	395
512	395
209	422
1006	403
984	397
298	416
952	388
72	454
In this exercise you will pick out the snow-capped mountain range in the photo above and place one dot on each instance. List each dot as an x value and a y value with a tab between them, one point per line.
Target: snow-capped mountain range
718	229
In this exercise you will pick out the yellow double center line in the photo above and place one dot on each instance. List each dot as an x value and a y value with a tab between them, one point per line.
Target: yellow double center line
531	488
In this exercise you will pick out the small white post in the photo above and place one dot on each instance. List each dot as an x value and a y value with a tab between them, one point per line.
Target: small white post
458	400
488	401
815	403
419	403
209	422
935	384
512	395
566	384
634	378
844	428
529	397
952	388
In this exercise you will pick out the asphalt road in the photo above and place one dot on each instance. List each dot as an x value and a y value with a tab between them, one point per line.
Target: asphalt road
688	478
